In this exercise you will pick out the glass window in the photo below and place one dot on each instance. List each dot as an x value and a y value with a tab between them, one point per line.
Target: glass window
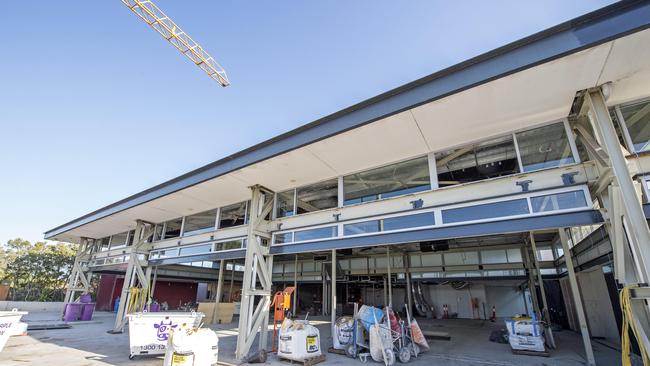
637	120
228	245
361	227
158	232
173	228
485	211
233	215
119	240
104	243
405	222
199	223
131	237
319	196
284	204
283	238
199	249
544	147
489	159
314	234
165	253
388	181
494	256
558	201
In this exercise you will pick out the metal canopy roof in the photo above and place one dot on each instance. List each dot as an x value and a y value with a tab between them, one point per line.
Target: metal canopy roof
522	84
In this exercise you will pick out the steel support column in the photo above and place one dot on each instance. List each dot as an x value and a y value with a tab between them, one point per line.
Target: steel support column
258	266
632	211
577	299
407	275
545	314
295	285
390	289
333	291
217	297
80	276
133	272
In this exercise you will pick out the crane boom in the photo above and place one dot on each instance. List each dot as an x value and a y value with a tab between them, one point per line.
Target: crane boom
152	15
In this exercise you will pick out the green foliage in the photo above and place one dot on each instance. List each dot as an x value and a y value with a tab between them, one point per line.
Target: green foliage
36	272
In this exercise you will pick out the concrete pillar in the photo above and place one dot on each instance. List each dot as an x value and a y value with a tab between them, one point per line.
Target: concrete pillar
577	299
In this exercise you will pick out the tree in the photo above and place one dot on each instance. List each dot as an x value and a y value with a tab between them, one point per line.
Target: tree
36	272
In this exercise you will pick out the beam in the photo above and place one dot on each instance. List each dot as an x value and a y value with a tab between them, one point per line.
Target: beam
409	295
553	221
577	299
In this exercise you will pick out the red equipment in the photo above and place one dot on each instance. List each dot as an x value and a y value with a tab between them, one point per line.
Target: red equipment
281	305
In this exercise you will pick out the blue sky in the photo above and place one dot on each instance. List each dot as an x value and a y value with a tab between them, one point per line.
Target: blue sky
95	106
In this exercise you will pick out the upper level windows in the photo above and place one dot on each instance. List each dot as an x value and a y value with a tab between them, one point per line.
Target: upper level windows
315	197
200	223
480	161
544	147
173	228
233	215
388	181
535	149
634	120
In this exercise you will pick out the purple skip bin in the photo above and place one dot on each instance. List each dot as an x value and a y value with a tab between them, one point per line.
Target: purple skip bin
85	298
72	312
87	311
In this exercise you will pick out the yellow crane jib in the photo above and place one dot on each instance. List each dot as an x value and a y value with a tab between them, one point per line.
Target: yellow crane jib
156	19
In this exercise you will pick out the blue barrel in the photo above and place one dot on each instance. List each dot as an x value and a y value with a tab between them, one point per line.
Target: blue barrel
116	305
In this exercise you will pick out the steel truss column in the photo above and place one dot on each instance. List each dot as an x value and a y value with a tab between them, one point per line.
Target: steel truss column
577	299
623	191
80	276
134	272
257	266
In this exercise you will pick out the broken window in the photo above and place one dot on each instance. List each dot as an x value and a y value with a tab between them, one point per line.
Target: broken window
233	215
484	160
388	181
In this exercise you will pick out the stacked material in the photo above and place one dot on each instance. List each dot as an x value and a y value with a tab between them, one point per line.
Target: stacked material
525	334
298	340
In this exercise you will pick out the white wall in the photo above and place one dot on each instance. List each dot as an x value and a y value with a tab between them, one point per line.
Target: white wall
508	300
33	306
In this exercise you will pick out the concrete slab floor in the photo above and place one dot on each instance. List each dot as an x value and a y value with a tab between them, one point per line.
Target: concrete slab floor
88	344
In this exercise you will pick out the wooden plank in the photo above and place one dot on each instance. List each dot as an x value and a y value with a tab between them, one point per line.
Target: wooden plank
530	353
